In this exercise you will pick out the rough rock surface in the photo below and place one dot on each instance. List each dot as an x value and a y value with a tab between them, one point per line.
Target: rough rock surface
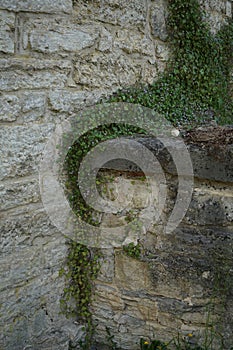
56	57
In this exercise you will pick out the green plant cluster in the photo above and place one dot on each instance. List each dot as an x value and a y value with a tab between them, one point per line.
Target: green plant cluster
82	267
196	86
132	250
74	157
211	341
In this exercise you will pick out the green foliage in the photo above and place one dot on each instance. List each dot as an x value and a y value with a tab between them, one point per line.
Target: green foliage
195	87
152	345
82	267
184	343
132	250
110	339
77	152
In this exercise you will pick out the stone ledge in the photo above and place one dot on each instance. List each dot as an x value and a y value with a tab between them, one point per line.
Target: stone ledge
210	162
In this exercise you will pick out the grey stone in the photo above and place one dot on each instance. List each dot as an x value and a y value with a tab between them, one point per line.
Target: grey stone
106	41
57	35
106	72
26	226
117	12
46	6
66	101
158	21
26	107
68	40
7	27
134	42
210	209
11	81
33	106
21	149
206	163
229	9
9	108
73	100
18	193
34	64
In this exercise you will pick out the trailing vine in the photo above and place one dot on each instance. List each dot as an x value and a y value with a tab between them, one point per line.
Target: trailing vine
196	86
77	152
82	267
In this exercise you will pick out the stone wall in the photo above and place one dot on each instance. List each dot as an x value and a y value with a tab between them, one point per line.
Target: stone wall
183	281
57	57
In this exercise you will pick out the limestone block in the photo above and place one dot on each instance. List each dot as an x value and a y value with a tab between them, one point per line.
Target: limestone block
106	71
11	81
9	107
211	207
134	42
67	101
57	35
7	26
33	64
33	105
30	305
18	193
118	12
107	295
25	226
21	149
26	107
131	274
158	21
106	41
37	5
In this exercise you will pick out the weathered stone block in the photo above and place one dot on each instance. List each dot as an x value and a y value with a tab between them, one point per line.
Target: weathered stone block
7	27
47	36
134	42
27	106
37	5
131	274
11	81
9	108
118	12
210	208
158	21
67	101
33	64
107	71
18	193
26	226
70	101
106	41
21	149
33	105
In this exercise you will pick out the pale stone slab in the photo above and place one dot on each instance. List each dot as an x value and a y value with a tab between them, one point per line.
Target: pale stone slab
7	27
46	6
21	149
11	81
28	106
18	193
